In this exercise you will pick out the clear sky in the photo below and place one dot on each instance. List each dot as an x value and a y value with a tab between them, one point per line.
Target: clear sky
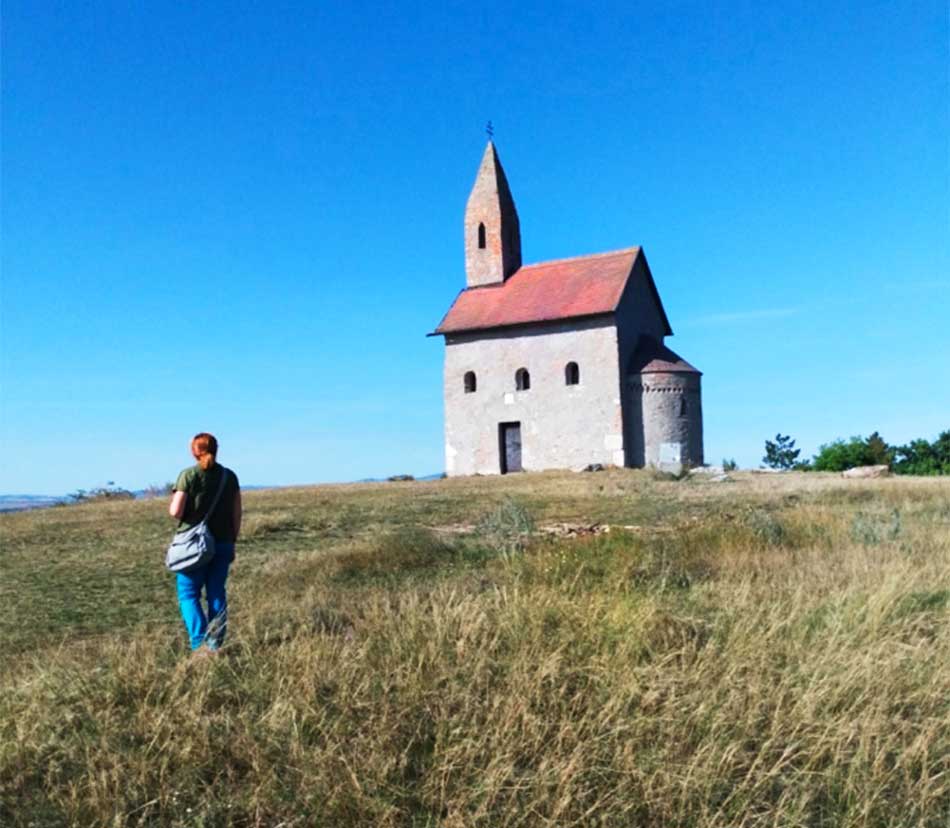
244	218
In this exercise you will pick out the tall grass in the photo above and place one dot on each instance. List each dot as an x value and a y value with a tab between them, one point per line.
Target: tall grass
745	659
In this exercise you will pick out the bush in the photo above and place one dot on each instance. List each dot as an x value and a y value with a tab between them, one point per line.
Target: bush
508	527
922	457
871	529
729	465
842	455
669	476
158	490
767	528
108	492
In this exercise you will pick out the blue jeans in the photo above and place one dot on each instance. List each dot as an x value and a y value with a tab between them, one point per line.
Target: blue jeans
211	578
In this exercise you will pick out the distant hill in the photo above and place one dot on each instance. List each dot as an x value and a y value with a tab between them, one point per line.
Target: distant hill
399	477
23	502
19	502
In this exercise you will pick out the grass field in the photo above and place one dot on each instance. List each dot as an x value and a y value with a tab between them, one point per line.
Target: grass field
771	651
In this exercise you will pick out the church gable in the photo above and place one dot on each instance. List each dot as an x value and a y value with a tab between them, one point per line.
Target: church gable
640	310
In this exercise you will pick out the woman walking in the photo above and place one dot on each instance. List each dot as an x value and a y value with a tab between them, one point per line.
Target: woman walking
193	498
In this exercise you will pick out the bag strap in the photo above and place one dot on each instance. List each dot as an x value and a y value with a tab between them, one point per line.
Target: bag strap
217	497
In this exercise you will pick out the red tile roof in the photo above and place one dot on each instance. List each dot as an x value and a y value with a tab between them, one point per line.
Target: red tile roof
562	289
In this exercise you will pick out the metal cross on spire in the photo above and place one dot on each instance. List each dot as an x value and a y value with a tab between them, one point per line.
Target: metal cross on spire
490	130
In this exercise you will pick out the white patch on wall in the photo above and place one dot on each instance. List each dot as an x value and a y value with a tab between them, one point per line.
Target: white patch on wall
613	442
509	398
619	458
671	457
450	453
670	452
534	428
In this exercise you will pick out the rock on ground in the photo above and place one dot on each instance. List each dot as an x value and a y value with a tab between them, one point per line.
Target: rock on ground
867	471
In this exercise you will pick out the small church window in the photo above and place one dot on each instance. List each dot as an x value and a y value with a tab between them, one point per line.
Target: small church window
572	374
522	379
470	383
683	405
481	236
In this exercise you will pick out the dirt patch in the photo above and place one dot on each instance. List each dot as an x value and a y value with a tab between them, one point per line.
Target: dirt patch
554	530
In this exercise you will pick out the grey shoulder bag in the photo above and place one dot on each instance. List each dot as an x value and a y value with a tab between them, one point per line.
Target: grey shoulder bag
194	547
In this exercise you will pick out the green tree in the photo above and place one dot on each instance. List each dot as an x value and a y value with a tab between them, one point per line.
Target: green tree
879	453
923	457
781	454
841	455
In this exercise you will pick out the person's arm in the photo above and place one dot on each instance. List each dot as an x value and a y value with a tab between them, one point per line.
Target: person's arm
237	514
177	506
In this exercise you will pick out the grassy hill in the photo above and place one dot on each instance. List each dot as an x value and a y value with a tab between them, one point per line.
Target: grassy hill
771	651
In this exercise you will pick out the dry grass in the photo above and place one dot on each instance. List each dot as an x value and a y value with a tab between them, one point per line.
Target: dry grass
772	652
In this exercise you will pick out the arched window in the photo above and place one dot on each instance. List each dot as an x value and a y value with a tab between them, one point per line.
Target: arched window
481	236
469	382
572	374
522	379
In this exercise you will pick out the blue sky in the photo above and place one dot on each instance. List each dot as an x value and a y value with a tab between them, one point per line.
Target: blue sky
245	217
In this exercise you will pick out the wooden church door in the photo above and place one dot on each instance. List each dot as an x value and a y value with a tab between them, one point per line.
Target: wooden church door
510	444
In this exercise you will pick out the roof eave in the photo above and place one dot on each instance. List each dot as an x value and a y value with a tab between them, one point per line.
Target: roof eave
689	370
526	324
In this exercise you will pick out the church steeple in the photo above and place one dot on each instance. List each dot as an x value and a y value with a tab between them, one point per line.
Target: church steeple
492	232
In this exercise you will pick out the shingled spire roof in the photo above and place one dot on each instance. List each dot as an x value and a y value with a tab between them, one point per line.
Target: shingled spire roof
492	230
491	178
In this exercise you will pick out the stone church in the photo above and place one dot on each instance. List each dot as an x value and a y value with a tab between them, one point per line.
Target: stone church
560	364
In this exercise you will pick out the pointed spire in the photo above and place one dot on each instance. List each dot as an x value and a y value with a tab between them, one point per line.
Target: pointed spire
492	230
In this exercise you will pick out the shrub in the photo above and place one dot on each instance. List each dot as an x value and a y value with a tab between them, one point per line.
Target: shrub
729	465
841	455
507	527
158	490
922	457
670	476
871	529
108	492
767	528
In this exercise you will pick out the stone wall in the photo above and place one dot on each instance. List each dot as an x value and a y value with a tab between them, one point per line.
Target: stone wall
669	408
562	426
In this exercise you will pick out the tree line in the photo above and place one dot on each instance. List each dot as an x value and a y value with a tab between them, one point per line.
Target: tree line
916	457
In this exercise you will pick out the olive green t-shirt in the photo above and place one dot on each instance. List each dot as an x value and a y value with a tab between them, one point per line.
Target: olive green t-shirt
201	486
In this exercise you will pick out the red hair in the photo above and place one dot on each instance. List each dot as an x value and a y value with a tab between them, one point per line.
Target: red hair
204	447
